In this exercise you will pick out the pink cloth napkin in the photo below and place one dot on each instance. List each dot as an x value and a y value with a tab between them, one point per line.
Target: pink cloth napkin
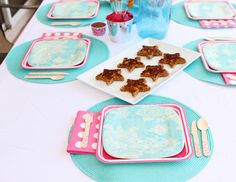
78	134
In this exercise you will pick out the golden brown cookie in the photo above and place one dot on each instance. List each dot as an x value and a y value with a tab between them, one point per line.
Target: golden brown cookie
154	72
109	76
149	52
130	64
172	59
135	86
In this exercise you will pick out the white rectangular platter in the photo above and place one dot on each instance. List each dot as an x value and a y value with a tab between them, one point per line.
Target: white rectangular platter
114	89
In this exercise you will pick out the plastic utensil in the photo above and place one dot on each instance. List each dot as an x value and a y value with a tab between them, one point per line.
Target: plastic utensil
194	132
203	126
48	73
88	120
66	23
52	77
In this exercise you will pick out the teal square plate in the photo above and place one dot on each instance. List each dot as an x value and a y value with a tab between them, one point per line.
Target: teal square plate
202	10
84	9
218	56
143	133
56	54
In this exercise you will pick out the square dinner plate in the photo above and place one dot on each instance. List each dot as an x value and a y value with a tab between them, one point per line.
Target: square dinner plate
218	56
203	10
52	53
180	145
83	9
114	89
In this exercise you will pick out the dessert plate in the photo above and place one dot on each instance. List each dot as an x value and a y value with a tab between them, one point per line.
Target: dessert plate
53	53
83	9
97	135
114	89
183	152
203	10
142	132
218	56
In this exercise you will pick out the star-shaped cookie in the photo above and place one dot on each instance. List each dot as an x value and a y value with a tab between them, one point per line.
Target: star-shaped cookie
130	64
149	51
154	72
135	86
172	59
109	76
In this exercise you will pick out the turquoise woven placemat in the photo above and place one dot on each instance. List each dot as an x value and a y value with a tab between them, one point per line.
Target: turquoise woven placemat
143	172
197	69
179	16
99	52
104	10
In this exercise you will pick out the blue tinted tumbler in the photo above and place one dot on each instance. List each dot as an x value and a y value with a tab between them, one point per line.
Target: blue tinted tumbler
153	18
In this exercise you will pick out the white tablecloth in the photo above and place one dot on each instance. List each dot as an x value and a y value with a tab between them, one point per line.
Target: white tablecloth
35	118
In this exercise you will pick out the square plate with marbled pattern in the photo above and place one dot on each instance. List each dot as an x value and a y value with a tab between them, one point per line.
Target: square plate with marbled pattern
218	56
83	9
214	9
143	133
51	53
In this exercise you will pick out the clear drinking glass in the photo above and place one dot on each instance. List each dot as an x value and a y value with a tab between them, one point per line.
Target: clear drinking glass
153	18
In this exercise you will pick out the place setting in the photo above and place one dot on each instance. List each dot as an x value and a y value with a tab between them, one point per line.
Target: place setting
72	13
157	138
205	14
217	62
56	57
